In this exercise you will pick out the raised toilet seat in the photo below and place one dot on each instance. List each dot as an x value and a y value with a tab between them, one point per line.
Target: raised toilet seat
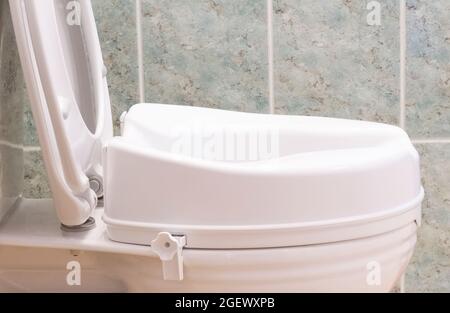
258	201
329	180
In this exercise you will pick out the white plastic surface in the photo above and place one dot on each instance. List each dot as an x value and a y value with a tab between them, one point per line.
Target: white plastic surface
64	74
332	180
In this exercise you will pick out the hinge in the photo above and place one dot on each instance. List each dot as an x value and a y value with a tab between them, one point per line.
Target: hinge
170	250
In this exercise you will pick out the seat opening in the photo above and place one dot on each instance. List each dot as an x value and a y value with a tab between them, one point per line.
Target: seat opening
73	43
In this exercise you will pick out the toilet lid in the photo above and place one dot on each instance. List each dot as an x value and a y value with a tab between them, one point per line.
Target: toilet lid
62	62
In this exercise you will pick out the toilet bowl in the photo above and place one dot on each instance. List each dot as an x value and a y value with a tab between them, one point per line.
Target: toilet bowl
198	199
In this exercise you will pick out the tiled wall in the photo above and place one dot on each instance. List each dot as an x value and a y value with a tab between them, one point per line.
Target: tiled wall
12	98
327	61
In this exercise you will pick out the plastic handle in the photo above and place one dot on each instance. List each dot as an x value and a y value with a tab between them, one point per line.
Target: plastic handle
71	209
74	177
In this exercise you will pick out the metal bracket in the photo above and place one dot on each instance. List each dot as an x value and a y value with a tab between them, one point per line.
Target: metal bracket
169	249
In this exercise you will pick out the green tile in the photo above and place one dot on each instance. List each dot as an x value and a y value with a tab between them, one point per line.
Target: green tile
430	268
206	53
428	68
36	184
116	24
330	62
12	86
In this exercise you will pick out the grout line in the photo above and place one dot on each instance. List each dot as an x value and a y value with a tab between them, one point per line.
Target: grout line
11	145
20	146
431	141
402	63
31	149
270	56
140	51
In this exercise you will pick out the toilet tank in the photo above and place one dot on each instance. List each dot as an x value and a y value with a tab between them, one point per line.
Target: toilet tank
12	98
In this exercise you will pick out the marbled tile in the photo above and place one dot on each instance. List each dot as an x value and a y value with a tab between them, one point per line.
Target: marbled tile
428	68
30	134
330	62
116	24
210	53
11	175
430	268
36	184
12	95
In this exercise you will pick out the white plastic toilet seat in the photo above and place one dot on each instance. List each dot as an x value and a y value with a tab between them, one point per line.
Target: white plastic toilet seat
333	180
310	195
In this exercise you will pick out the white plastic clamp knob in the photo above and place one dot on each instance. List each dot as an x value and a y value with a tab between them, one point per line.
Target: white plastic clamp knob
169	249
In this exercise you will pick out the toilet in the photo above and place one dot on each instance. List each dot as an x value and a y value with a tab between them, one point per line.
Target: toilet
191	199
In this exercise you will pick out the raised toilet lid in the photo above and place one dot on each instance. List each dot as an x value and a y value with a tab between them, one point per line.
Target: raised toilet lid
61	58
